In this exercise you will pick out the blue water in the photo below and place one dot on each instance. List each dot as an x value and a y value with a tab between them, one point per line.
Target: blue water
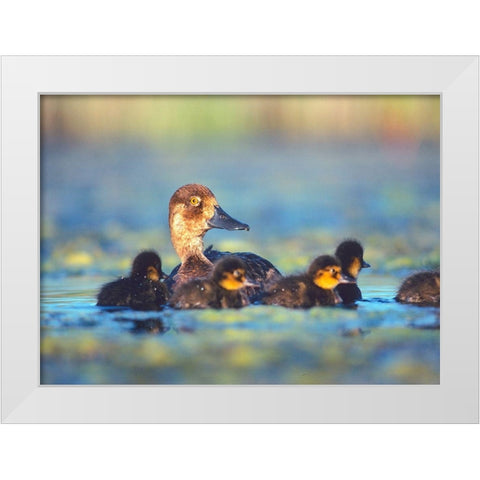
379	341
101	204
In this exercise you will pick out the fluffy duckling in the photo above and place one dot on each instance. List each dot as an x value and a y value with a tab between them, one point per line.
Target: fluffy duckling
142	290
421	288
223	289
313	288
350	254
193	210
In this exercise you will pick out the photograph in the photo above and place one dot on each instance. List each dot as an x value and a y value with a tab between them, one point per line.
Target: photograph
239	239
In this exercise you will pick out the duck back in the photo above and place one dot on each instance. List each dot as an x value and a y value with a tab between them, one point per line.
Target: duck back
421	288
298	291
116	294
148	295
139	294
258	270
202	293
288	292
197	293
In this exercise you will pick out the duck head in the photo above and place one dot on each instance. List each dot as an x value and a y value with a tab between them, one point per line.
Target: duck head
326	272
148	264
193	210
229	273
350	254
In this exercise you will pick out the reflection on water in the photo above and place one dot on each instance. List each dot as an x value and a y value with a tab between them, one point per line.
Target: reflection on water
379	341
300	200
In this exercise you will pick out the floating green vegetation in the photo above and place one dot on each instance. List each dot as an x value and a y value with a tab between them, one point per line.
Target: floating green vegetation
302	182
376	342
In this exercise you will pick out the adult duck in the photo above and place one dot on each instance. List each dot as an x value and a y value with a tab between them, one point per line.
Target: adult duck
193	210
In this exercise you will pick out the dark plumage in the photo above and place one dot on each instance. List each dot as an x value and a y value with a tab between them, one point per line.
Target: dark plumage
258	270
313	288
224	288
142	290
350	254
421	288
193	210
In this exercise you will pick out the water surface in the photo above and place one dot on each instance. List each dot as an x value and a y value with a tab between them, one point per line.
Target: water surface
379	341
103	203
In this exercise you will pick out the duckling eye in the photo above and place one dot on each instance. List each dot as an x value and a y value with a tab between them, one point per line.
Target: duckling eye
195	201
237	273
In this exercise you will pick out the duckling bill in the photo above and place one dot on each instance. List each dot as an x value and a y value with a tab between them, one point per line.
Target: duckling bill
193	210
350	254
313	288
223	289
142	290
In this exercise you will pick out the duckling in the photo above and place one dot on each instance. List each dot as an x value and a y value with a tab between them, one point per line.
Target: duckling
350	254
313	288
193	210
422	288
223	289
196	293
142	290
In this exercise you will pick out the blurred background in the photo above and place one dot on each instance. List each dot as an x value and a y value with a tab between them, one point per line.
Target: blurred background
303	171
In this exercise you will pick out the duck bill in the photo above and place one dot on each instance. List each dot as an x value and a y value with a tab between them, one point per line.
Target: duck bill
365	264
163	276
250	284
222	219
346	279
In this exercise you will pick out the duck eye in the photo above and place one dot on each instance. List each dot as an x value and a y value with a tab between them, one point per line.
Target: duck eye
195	201
237	273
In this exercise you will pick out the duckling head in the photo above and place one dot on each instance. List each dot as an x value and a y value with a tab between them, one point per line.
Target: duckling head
229	273
193	210
350	254
326	272
148	264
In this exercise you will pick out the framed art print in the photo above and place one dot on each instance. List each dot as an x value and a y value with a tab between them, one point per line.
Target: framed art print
340	177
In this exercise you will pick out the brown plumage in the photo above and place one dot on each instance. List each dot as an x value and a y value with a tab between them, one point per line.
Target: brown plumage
224	288
313	288
422	288
193	210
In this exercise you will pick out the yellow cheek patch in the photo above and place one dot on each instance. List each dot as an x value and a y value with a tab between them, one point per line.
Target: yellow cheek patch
229	282
354	268
152	274
326	279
